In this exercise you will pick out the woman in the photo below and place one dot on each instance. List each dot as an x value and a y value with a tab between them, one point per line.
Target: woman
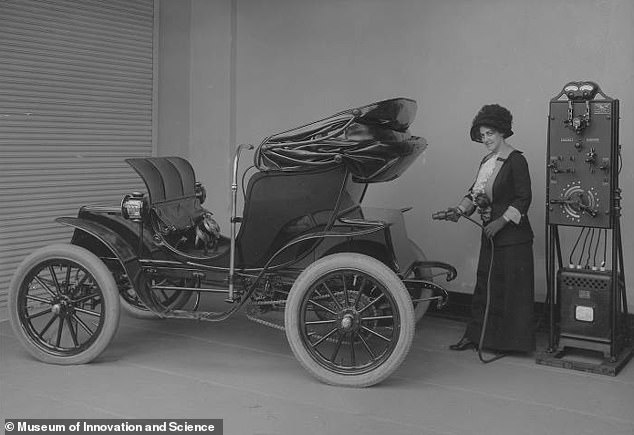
502	195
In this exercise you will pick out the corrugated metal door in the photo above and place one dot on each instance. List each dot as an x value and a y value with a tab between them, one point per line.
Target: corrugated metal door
76	98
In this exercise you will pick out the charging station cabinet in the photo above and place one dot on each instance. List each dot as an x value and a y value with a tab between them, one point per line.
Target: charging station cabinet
586	297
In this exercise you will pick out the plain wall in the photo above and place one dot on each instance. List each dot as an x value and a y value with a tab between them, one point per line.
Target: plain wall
298	60
174	67
195	81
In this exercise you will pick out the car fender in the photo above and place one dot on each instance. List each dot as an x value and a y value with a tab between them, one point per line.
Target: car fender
372	248
102	236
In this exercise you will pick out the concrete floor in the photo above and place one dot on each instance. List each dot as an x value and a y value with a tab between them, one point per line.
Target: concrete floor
246	374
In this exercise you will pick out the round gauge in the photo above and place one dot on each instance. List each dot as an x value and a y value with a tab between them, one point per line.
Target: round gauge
577	199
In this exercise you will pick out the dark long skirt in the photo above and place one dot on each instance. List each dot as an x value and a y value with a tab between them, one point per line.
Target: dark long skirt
511	325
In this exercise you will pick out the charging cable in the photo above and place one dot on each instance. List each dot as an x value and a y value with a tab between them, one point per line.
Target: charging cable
445	215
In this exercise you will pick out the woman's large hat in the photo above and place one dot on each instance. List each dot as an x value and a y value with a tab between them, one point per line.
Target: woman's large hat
493	116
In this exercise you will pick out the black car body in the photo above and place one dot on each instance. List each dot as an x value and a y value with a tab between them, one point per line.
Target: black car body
348	280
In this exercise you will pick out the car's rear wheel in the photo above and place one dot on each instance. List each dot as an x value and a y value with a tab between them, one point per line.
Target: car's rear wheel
63	304
132	305
349	320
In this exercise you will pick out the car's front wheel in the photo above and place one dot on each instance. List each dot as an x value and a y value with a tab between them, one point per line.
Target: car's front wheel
63	304
349	320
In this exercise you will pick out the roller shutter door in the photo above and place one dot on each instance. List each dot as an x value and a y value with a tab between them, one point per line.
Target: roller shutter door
76	98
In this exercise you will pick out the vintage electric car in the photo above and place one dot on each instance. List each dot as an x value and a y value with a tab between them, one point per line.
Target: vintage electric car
345	282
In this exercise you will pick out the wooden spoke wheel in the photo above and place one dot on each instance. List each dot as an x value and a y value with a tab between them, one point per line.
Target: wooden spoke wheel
64	304
349	320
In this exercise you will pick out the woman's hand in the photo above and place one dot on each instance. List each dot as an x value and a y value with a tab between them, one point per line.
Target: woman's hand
453	214
494	227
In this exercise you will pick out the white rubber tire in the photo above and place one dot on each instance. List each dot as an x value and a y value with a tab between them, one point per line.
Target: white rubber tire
109	299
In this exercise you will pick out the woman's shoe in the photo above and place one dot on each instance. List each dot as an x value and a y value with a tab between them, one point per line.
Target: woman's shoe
464	344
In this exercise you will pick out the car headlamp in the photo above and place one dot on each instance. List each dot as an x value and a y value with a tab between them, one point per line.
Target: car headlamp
133	206
200	192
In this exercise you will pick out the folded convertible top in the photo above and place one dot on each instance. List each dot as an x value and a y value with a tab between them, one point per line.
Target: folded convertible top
372	141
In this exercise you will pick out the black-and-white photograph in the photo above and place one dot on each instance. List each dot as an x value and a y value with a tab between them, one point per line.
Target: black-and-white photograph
261	217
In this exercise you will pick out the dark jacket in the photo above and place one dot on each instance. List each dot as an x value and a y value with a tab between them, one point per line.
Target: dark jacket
512	187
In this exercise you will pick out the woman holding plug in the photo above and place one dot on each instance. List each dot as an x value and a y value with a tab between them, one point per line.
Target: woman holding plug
501	194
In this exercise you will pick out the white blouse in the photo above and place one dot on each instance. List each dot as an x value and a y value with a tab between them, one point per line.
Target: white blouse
484	185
